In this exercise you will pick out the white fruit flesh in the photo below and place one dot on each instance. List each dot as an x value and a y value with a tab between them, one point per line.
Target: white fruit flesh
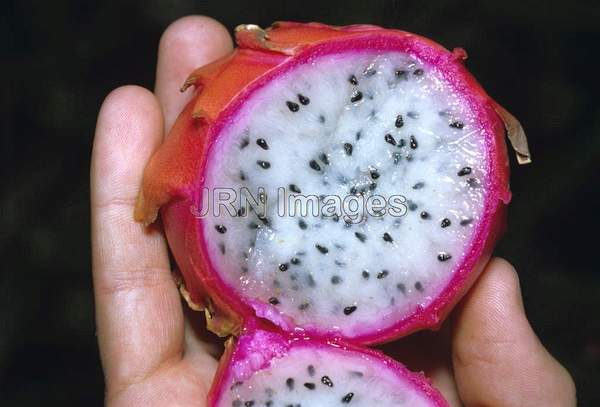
323	377
324	274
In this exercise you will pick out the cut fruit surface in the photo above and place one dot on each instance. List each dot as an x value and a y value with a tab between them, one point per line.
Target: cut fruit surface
352	126
266	369
378	171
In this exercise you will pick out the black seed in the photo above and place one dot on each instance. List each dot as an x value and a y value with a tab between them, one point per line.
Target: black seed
419	286
413	115
401	287
264	164
389	139
321	118
242	211
445	223
360	236
444	256
269	403
273	301
372	186
412	206
262	143
311	370
350	309
457	125
244	143
418	72
322	249
409	157
303	306
324	158
294	188
314	165
365	274
464	171
358	135
242	176
264	220
303	99
424	215
295	261
221	228
347	398
374	174
310	281
387	237
222	247
466	222
335	218
249	403
397	157
283	267
413	142
310	386
399	121
418	185
302	224
382	274
292	106
336	280
356	96
252	225
400	73
401	143
326	381
290	383
348	148
353	80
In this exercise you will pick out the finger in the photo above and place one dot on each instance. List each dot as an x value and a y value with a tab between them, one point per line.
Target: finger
186	44
138	311
498	359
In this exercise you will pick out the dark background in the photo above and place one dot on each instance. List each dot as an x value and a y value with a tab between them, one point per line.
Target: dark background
60	59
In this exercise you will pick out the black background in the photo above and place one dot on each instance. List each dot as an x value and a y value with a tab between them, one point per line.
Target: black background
61	58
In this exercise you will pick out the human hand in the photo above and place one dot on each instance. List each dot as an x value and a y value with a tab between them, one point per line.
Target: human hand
487	355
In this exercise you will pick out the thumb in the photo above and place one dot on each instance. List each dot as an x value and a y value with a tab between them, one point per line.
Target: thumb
498	359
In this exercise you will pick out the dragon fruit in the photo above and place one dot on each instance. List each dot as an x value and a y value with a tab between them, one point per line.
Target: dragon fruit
270	369
362	117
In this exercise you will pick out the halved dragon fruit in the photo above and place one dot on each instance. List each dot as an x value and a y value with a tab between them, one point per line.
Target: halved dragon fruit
384	132
270	369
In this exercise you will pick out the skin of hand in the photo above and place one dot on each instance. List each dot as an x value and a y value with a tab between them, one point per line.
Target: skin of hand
486	354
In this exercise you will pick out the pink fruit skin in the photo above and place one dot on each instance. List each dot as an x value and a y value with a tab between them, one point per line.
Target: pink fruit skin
258	341
175	173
